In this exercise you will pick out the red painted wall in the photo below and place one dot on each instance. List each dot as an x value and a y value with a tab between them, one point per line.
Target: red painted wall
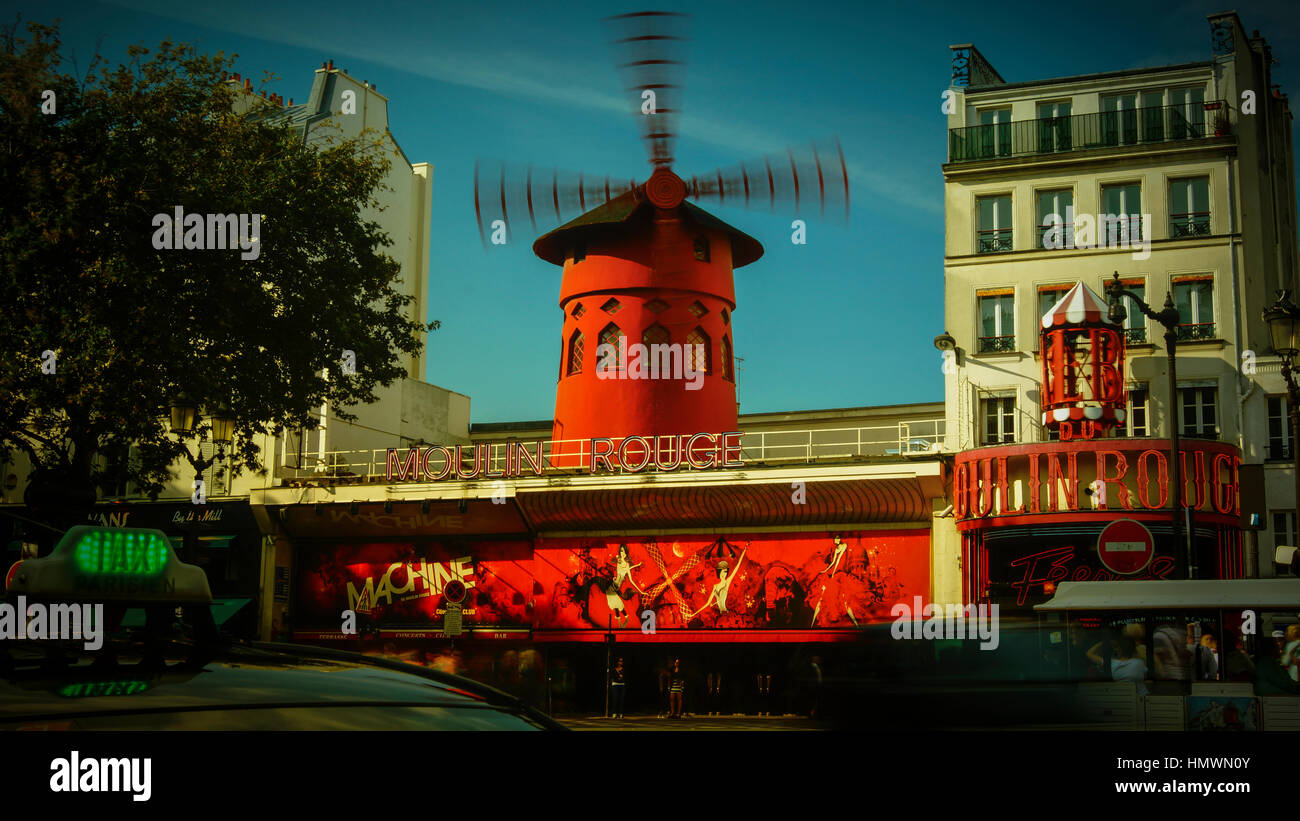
656	263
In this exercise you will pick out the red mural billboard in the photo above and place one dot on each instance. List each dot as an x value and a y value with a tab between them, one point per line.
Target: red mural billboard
739	581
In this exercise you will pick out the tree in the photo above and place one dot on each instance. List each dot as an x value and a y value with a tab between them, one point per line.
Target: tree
131	326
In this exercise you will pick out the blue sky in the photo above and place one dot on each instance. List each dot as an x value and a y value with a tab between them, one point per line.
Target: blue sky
847	319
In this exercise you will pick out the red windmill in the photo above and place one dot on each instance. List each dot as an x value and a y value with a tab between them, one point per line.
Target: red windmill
645	268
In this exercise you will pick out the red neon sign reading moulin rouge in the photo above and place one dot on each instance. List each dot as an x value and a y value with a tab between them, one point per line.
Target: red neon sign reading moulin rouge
1120	475
631	454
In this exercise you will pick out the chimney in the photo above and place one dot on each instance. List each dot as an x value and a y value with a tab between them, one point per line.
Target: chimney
248	85
331	64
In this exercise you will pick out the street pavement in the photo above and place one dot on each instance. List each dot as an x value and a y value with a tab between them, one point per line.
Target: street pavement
692	722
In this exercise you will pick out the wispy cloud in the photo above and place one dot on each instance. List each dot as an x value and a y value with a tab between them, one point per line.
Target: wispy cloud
517	74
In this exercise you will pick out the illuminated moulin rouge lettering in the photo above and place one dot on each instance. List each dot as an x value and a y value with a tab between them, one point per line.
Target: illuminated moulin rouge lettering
631	454
989	485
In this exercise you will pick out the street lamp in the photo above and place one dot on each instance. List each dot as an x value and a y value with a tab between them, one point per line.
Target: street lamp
1170	318
185	421
1283	318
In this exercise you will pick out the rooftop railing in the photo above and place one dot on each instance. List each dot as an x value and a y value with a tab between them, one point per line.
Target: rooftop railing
1079	132
565	456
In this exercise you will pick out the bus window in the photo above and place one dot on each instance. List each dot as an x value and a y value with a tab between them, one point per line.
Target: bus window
1171	651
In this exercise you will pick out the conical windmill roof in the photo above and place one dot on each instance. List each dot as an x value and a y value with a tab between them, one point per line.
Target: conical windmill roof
1079	305
629	208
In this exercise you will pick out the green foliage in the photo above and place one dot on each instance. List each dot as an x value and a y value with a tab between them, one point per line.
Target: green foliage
133	326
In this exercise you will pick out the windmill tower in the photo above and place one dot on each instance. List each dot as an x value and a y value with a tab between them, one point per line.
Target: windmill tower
647	268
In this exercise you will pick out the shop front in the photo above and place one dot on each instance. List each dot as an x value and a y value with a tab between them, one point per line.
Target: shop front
1032	516
221	537
727	575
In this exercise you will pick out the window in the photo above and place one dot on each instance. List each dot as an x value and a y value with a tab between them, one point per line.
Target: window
1138	411
994	133
1054	127
1060	205
1153	116
1048	296
611	306
1279	429
656	306
1199	406
999	415
1189	208
997	321
698	356
702	248
1135	324
1119	119
578	311
1186	113
994	224
1194	299
697	309
726	319
575	353
1121	221
728	373
611	336
655	335
1284	527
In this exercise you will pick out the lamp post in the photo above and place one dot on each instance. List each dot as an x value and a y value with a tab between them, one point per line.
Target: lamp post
185	421
1170	319
1283	318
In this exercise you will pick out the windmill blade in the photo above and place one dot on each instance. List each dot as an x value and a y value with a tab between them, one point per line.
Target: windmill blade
650	48
811	181
511	202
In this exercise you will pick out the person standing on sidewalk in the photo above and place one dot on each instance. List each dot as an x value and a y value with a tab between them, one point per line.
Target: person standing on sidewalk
676	690
617	690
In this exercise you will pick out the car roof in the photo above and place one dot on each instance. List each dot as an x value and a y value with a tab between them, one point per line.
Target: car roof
181	675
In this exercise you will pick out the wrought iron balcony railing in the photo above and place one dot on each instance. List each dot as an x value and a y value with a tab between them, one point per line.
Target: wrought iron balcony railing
994	240
1194	224
1079	132
1279	451
996	344
564	456
1135	336
1196	330
1065	235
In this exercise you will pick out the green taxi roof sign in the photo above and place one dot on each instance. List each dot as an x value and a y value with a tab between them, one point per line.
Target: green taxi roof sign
112	564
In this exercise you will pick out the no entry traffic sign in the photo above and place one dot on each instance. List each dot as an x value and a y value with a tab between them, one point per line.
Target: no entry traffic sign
1125	547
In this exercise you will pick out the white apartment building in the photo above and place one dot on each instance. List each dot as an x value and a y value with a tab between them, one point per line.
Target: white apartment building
1180	179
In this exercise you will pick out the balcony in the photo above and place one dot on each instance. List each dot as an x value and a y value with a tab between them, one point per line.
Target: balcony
997	344
1279	451
1135	336
1195	330
1080	132
1193	224
895	441
994	241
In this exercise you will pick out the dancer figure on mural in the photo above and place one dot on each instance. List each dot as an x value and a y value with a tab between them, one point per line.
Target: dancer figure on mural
719	594
614	591
833	563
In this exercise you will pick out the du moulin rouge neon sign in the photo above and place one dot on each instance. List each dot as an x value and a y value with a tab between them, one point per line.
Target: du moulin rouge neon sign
631	454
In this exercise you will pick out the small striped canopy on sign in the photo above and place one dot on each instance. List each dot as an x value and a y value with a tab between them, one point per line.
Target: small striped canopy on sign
1077	306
